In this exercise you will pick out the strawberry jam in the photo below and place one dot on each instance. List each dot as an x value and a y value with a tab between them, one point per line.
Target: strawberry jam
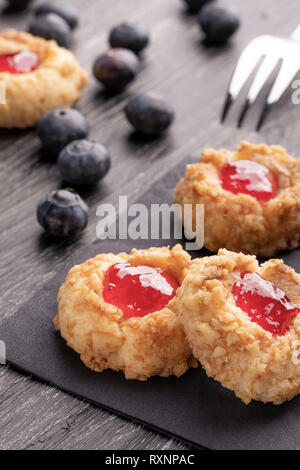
248	177
19	62
138	290
264	303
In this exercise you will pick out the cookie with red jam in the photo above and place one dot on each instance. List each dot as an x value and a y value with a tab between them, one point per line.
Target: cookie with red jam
242	321
38	76
117	312
251	198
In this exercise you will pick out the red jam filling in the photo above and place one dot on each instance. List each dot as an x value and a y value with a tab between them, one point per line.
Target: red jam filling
138	290
248	177
19	62
264	303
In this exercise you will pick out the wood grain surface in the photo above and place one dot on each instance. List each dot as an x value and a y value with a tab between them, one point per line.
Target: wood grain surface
194	78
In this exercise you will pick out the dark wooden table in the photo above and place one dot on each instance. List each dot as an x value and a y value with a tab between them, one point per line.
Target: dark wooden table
194	78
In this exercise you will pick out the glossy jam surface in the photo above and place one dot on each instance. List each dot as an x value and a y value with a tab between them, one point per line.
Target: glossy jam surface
138	290
248	177
264	303
20	62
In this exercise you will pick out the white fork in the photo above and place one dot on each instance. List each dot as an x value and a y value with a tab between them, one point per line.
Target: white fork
268	52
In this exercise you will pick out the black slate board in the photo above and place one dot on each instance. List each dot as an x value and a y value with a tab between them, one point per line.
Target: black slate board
194	408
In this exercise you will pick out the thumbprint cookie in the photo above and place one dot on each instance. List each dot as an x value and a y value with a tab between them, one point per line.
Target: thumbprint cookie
38	76
251	198
116	312
242	321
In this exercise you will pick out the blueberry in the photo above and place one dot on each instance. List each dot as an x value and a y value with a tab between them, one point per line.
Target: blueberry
59	127
83	162
65	9
17	5
62	213
149	113
116	69
51	26
217	23
195	5
129	36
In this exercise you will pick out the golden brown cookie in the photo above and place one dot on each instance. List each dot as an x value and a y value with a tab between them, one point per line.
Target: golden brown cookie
57	81
239	221
242	321
108	337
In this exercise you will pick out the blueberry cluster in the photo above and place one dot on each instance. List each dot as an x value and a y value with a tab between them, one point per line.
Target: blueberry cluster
81	162
216	22
64	132
147	112
119	66
53	19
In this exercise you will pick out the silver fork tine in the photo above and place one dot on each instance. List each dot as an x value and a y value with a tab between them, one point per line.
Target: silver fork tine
272	50
288	70
265	70
248	60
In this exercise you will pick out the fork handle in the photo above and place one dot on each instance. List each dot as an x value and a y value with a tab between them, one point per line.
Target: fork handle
295	36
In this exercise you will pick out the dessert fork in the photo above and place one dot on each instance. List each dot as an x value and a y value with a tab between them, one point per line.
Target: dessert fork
266	53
